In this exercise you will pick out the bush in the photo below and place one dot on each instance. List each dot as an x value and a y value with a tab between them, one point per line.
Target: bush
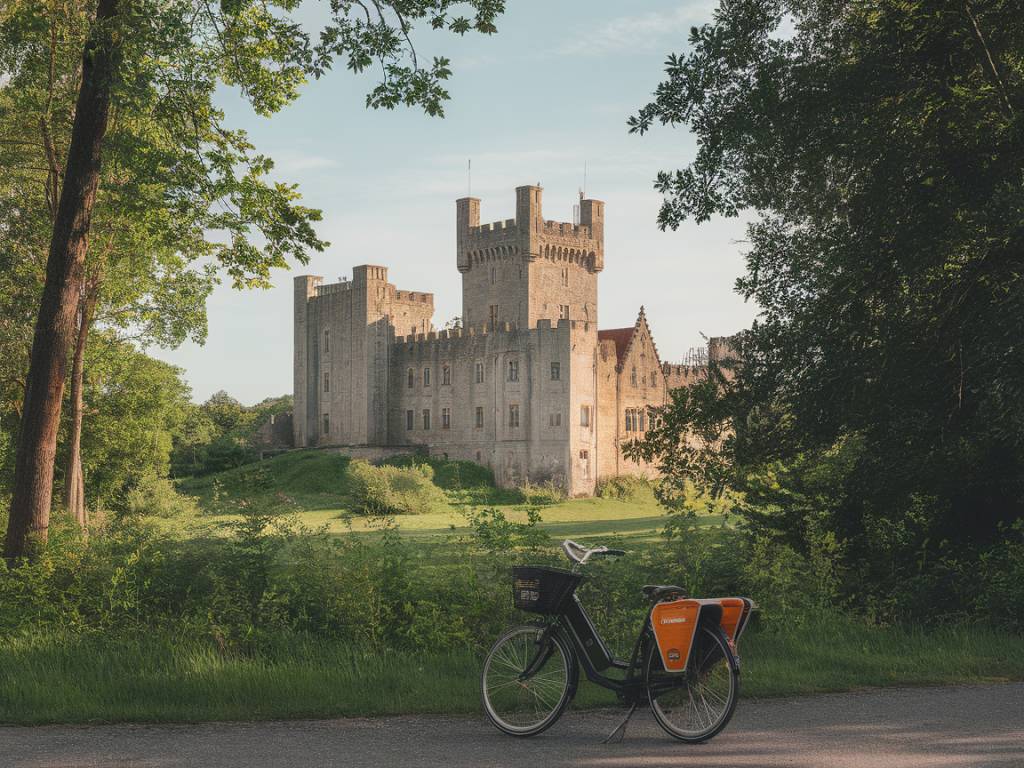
541	495
624	488
391	490
156	497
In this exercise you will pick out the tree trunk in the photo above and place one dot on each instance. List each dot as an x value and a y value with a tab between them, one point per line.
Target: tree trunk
74	482
37	438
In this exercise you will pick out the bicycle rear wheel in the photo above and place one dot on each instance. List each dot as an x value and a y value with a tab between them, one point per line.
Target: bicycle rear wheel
523	705
697	704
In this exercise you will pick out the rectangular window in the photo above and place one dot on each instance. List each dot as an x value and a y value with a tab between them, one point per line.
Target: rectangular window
426	377
632	377
446	375
565	275
585	459
327	382
446	418
426	418
327	424
584	415
479	417
513	370
479	373
412	378
327	341
494	316
641	415
563	311
408	419
629	419
654	378
556	371
513	416
555	420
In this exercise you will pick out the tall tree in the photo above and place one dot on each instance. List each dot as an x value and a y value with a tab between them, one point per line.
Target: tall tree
156	65
882	145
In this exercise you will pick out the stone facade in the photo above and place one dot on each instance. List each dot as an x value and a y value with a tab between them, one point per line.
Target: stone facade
527	385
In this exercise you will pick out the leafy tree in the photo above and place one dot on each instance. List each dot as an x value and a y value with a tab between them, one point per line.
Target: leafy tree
137	405
881	393
143	99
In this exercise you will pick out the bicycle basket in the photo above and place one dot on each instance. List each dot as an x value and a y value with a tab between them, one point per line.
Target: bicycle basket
541	589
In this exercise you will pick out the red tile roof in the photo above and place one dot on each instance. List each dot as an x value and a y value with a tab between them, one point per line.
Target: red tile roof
621	337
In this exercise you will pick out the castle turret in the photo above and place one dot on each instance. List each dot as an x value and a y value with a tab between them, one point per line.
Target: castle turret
527	269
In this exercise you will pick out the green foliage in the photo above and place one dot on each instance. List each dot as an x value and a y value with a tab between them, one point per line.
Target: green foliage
157	497
390	490
879	406
494	533
218	435
135	405
624	487
541	495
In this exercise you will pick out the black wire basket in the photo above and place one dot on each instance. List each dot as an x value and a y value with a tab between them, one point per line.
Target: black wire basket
540	589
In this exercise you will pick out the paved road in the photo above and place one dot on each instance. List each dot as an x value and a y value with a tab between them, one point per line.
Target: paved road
905	728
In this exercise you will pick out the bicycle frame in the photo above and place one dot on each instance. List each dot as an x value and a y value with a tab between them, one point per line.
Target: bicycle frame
593	655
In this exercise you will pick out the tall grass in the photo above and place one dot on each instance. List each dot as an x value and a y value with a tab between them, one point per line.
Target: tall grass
157	677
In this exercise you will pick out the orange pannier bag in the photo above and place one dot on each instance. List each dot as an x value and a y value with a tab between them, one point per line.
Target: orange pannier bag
675	624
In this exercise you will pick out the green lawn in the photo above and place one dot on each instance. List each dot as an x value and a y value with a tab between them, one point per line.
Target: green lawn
313	482
155	678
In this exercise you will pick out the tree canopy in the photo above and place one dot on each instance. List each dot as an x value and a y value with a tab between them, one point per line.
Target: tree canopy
880	394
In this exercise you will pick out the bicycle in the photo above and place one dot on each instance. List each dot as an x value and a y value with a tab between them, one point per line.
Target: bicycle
683	664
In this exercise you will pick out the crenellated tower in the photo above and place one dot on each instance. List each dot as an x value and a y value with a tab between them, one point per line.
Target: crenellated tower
527	269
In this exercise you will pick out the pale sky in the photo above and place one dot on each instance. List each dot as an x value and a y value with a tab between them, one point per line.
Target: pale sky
534	103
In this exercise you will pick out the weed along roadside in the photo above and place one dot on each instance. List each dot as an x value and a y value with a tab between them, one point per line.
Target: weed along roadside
262	602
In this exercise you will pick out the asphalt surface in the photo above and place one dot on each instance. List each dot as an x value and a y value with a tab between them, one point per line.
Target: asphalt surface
894	728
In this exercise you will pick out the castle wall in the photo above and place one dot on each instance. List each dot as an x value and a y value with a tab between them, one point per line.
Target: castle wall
607	410
343	334
535	449
583	448
305	362
641	384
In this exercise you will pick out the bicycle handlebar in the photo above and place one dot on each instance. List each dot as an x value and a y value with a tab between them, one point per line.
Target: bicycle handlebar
580	554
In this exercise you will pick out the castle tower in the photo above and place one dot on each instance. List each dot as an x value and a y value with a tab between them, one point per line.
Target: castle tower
527	269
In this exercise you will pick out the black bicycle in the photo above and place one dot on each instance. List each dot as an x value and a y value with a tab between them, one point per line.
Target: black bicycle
684	663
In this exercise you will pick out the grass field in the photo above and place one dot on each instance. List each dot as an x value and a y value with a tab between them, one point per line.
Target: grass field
98	676
83	679
314	482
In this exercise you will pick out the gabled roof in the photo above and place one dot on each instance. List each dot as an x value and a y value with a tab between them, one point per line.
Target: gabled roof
623	338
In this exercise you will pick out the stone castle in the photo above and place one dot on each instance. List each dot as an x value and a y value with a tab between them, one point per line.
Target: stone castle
528	385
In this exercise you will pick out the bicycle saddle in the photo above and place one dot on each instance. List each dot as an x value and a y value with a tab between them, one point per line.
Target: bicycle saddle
659	591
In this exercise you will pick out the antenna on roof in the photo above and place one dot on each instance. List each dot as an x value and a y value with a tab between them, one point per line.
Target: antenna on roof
583	192
469	177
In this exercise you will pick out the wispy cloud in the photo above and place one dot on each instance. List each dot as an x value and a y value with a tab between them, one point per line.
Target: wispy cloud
639	33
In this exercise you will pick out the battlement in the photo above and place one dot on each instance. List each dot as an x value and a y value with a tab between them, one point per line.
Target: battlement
496	226
498	332
331	288
529	235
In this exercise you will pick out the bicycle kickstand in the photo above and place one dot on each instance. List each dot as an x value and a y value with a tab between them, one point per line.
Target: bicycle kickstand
619	733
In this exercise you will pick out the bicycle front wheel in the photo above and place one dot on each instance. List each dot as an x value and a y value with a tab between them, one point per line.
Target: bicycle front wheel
522	704
696	704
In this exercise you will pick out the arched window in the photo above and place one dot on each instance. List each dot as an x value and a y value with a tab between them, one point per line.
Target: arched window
446	375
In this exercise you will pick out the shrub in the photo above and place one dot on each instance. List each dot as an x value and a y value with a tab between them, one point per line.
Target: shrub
156	497
541	495
391	490
624	488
